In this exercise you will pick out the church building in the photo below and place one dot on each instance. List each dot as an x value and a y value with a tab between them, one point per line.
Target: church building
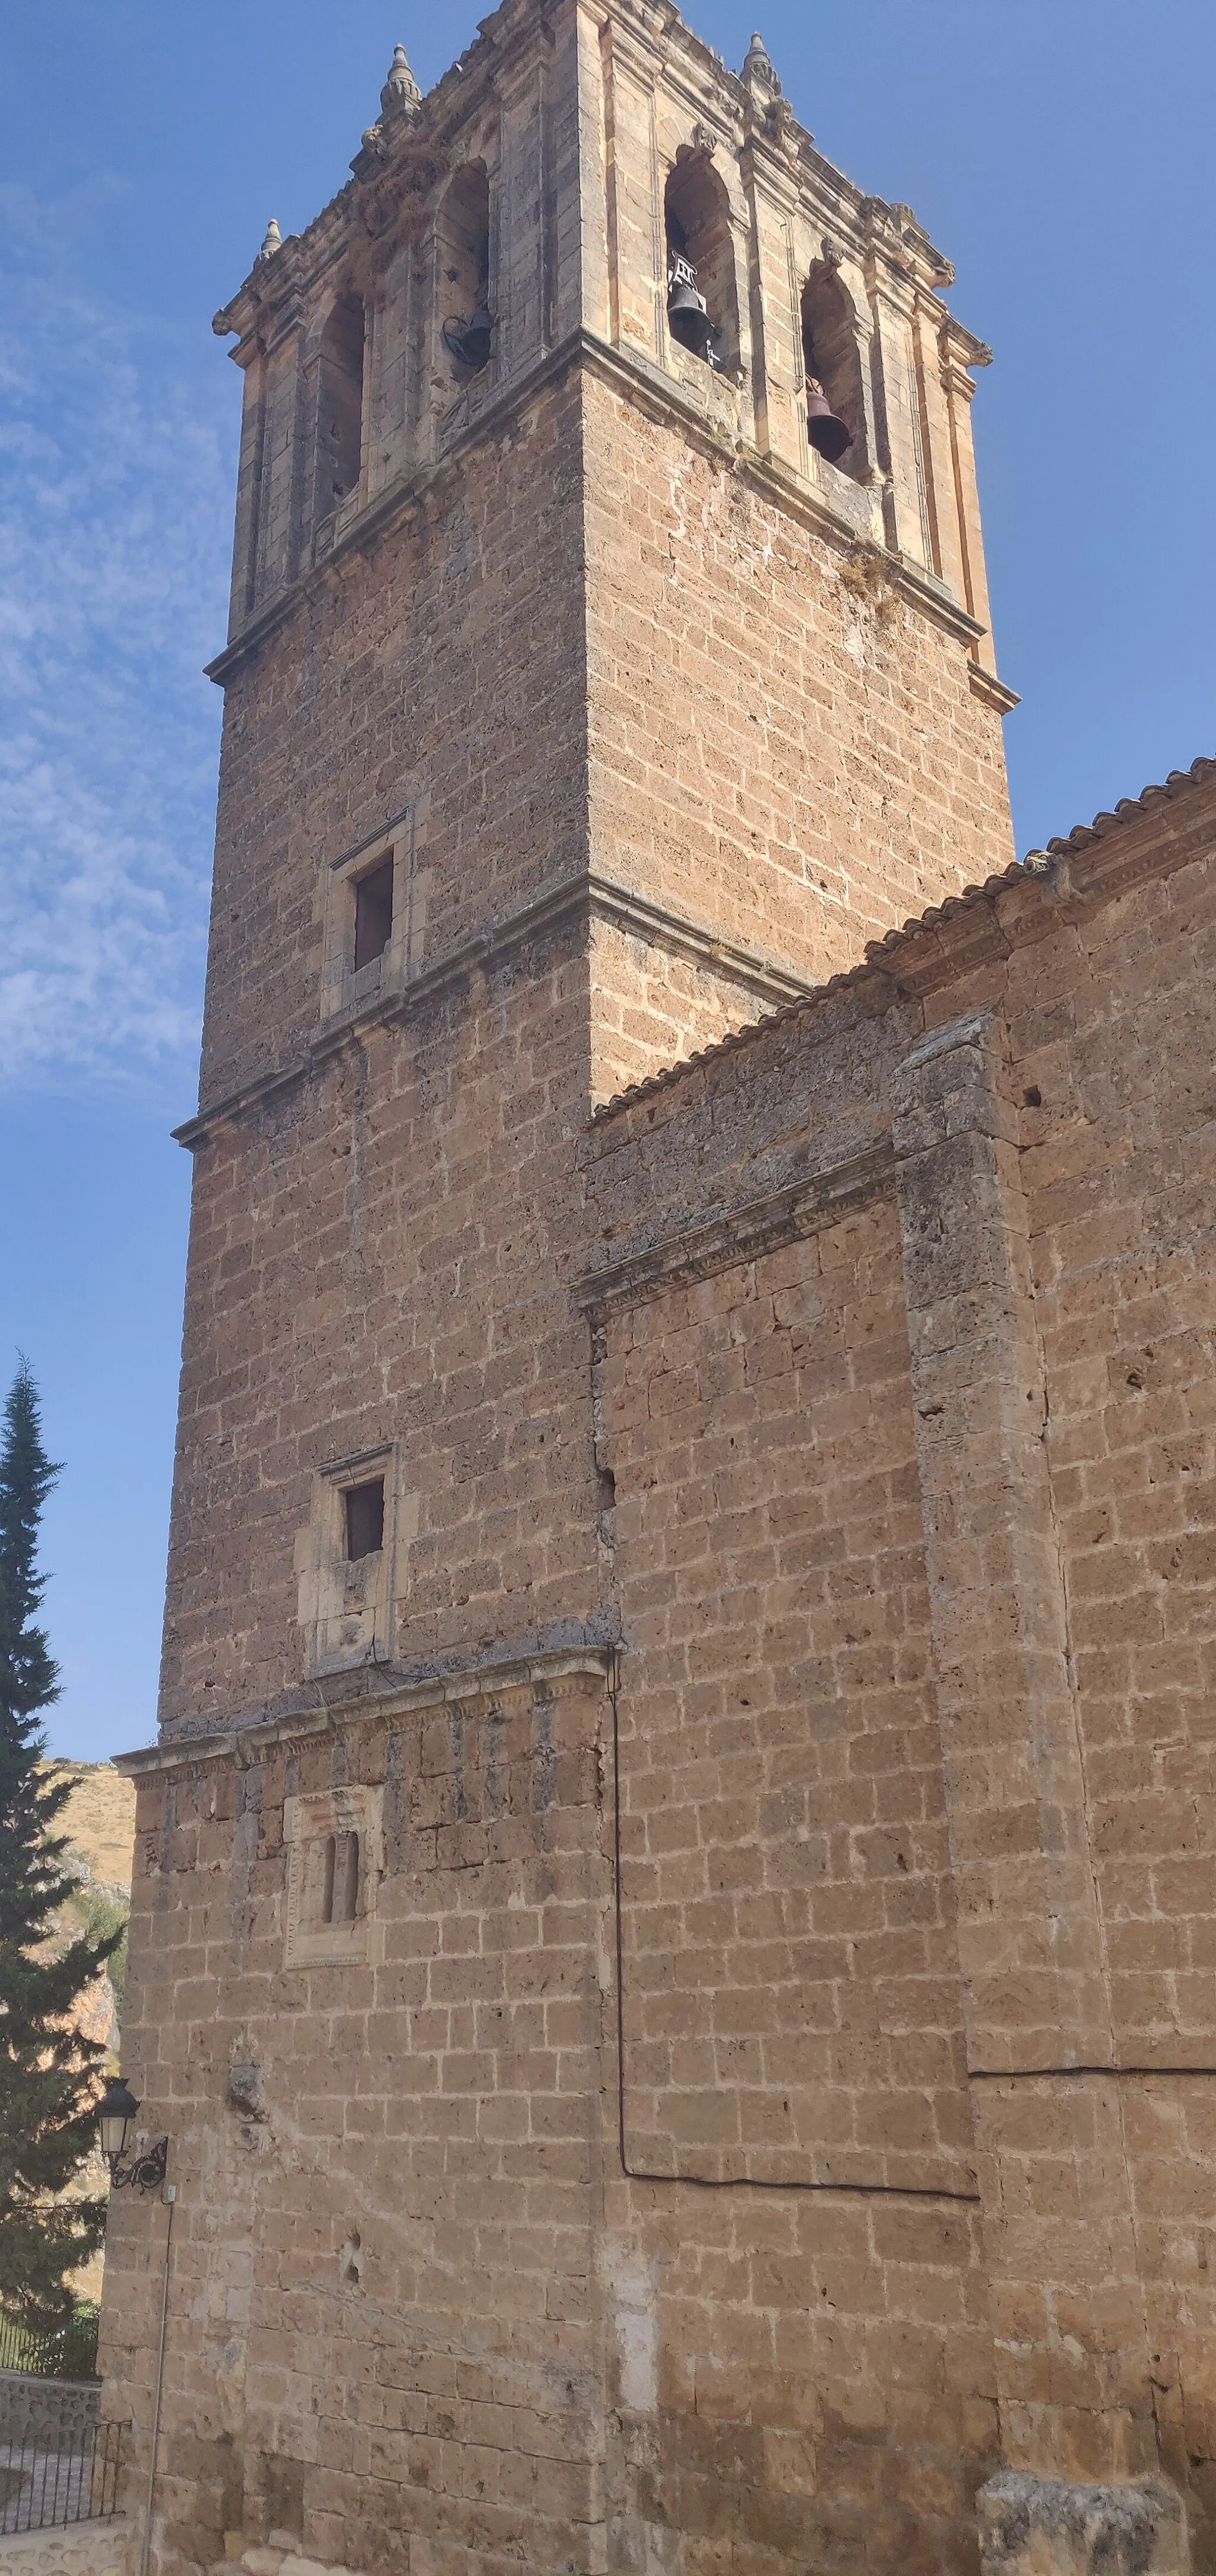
674	1933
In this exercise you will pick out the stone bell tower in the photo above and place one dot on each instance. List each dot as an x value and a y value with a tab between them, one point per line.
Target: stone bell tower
609	664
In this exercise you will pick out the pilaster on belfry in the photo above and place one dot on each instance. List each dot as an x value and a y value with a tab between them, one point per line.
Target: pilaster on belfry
772	195
959	390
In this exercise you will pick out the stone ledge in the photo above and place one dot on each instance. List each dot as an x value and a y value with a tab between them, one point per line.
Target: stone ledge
580	900
640	379
740	1234
1044	2527
247	1740
991	692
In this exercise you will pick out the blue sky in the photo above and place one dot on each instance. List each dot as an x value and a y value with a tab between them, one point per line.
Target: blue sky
1059	152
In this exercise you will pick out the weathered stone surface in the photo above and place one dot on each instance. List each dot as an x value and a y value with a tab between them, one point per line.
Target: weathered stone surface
86	2549
53	2414
1038	2527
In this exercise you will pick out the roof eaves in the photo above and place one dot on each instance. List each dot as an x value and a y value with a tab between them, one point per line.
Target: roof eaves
880	952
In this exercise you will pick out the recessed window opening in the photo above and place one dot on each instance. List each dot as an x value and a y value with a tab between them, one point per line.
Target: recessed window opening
373	913
464	269
364	1520
340	404
835	397
340	1903
702	299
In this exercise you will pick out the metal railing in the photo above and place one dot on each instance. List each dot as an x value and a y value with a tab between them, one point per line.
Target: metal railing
68	2351
43	2490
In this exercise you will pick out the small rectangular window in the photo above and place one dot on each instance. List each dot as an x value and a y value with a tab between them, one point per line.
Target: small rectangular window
341	1898
364	1520
373	914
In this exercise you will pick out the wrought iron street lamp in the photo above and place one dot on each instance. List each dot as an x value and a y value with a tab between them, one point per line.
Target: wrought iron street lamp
116	2110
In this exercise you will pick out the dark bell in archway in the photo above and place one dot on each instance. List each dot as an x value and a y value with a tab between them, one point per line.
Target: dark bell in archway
471	342
688	314
828	435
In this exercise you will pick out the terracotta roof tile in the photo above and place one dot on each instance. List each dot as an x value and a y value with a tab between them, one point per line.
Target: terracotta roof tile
879	950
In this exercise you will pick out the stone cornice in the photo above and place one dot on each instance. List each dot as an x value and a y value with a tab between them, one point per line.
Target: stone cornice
583	898
245	1743
661	42
991	691
741	1233
645	383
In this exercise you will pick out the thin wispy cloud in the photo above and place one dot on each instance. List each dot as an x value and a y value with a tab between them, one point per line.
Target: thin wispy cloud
115	505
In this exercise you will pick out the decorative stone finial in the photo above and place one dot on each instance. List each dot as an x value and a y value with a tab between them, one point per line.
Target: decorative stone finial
400	89
758	69
273	241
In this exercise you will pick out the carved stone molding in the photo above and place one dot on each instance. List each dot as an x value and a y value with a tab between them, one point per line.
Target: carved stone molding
770	979
251	1736
742	1234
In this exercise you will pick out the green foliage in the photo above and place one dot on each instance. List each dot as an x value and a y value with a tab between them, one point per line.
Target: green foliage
48	2072
68	2351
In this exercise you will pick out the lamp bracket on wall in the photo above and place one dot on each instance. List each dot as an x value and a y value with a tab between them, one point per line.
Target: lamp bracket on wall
145	2172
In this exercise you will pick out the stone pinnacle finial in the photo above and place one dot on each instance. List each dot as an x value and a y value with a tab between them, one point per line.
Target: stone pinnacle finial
758	66
400	89
273	241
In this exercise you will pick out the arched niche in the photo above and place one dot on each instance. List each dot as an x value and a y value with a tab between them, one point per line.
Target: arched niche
340	405
462	240
832	352
697	213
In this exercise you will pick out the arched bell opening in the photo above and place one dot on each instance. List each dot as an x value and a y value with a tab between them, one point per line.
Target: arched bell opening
466	322
836	411
702	296
340	404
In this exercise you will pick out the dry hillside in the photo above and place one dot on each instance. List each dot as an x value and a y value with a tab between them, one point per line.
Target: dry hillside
99	1822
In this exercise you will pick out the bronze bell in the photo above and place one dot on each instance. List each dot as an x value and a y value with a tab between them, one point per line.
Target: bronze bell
479	335
471	342
687	311
828	435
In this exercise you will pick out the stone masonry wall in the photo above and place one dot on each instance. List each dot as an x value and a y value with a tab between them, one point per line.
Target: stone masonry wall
382	2309
1114	1067
90	2549
780	752
53	2413
443	670
652	1008
410	1201
779	744
869	1294
792	2012
441	1149
1091	2139
786	1892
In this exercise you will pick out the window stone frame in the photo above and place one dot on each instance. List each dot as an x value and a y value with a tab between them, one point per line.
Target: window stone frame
346	1606
342	990
308	1821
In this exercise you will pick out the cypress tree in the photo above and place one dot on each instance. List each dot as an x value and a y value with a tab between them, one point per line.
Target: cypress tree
48	2071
